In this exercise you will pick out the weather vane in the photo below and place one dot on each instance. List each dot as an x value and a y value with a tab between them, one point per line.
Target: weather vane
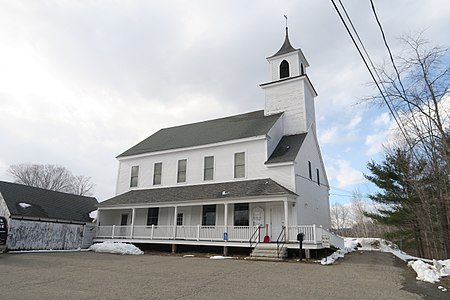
285	16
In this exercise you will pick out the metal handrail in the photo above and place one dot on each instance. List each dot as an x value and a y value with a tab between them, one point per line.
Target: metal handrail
253	237
281	240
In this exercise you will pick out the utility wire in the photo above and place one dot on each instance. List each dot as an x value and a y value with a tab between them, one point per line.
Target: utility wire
387	47
403	91
371	73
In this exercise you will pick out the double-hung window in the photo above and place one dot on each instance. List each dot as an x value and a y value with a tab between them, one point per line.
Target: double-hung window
134	176
241	214
157	173
239	165
209	215
208	168
152	216
181	175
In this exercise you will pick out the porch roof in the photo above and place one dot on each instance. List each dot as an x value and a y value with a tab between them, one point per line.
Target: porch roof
214	191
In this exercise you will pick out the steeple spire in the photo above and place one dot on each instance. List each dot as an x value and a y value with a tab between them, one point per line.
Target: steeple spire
286	47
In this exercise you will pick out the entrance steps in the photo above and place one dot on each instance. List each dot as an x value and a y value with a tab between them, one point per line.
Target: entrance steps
268	252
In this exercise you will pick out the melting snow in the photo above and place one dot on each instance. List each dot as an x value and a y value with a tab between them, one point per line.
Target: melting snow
24	205
116	248
219	257
427	270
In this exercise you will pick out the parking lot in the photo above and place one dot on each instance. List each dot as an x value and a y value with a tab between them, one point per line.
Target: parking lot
87	275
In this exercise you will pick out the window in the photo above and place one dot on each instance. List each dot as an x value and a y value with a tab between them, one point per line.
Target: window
241	214
152	216
318	177
209	215
181	176
134	176
239	165
310	170
157	172
284	69
179	219
208	168
302	71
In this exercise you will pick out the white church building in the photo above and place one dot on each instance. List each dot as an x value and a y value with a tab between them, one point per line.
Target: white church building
233	181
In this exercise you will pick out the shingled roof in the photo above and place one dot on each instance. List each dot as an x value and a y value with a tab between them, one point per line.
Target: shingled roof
208	132
287	149
286	47
26	201
215	191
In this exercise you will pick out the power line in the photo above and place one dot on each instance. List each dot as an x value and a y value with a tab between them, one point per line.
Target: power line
393	113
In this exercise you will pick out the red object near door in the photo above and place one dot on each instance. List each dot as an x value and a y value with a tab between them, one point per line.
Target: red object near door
266	239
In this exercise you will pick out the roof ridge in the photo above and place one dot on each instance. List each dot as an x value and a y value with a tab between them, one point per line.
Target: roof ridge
42	189
211	120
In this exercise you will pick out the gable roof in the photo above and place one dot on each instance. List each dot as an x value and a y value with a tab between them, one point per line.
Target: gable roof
27	201
208	132
287	149
213	191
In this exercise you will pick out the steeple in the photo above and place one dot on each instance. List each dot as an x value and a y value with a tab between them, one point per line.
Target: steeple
286	47
290	92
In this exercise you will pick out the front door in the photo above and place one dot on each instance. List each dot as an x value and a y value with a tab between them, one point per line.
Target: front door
276	221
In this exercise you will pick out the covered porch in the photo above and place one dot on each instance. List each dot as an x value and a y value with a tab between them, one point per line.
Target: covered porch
231	220
237	236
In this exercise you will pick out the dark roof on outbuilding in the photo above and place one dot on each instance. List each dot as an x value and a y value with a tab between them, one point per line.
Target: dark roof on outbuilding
287	149
208	132
26	201
214	191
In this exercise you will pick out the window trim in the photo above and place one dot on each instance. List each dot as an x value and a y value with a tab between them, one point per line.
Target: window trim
286	68
160	174
204	216
185	170
180	217
136	176
248	214
157	216
212	168
244	165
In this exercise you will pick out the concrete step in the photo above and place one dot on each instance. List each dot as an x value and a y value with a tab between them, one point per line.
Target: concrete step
260	258
268	251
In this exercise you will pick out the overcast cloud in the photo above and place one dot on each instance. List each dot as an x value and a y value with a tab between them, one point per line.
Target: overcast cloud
82	81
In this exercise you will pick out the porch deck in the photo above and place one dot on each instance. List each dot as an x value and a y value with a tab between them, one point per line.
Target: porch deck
232	236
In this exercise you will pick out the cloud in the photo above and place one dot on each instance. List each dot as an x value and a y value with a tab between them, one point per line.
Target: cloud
341	171
382	120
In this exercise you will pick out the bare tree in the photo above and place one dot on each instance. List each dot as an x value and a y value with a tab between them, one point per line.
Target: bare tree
419	93
51	177
340	217
82	185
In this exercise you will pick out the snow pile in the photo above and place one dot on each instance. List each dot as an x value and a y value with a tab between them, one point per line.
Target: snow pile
116	248
431	273
24	204
219	257
427	270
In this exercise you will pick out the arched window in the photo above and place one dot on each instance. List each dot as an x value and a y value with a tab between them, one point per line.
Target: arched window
284	69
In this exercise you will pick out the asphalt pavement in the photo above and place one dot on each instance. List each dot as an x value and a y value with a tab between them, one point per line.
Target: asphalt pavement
87	275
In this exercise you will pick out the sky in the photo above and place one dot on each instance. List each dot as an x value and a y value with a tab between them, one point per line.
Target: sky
83	81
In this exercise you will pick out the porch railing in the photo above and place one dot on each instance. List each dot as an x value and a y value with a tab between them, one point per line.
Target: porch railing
311	233
187	232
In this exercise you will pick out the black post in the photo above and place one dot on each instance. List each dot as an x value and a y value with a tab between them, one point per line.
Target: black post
300	239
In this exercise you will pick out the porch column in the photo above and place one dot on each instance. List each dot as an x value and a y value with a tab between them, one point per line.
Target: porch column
225	220
133	215
175	222
286	218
